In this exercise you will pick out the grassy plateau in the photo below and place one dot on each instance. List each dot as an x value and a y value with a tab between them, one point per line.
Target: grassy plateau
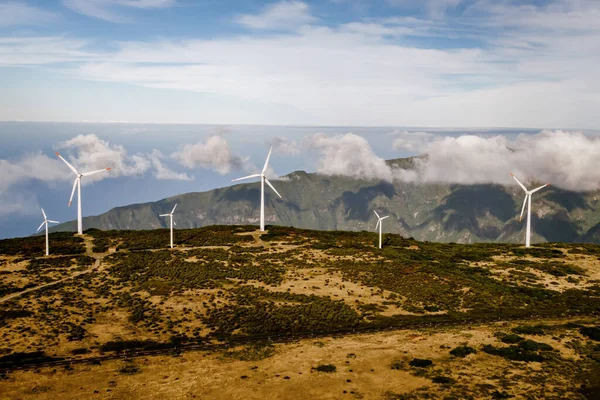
232	312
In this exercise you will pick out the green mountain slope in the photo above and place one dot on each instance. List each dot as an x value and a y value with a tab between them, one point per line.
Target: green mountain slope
433	212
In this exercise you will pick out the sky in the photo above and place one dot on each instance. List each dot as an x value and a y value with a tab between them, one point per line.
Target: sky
427	63
180	96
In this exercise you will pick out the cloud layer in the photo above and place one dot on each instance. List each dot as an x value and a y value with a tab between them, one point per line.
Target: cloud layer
565	159
505	63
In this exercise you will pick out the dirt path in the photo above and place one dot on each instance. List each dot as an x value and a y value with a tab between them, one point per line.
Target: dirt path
88	252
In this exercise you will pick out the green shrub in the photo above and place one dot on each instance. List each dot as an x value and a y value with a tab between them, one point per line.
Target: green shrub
462	351
326	368
591	332
420	363
511	339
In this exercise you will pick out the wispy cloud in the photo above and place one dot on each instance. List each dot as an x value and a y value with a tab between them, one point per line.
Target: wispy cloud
509	64
110	10
16	13
286	15
43	50
162	172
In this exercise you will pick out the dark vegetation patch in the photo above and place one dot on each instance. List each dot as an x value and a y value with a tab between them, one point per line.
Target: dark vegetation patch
256	312
129	369
17	359
62	243
443	380
462	351
527	350
420	363
325	368
593	332
217	235
119	346
511	338
13	313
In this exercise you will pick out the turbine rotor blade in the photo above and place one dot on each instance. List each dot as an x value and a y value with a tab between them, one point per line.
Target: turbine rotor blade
174	208
387	216
73	191
44	214
520	184
267	162
174	223
269	183
541	187
523	208
54	222
41	226
246	177
66	162
376	213
164	215
378	222
95	172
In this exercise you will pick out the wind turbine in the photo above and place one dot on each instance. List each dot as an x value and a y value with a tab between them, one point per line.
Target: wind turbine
77	184
263	179
379	224
172	223
527	201
46	222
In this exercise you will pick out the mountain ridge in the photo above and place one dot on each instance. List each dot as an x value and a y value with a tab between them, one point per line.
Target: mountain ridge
432	211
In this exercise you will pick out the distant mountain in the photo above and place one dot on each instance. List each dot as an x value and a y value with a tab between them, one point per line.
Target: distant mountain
432	212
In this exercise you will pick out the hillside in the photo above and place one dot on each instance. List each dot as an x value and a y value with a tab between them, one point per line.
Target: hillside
503	307
433	212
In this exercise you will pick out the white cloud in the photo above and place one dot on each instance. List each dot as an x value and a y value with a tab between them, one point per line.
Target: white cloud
285	15
42	50
348	155
36	166
92	153
162	172
284	145
531	66
15	13
109	9
214	153
565	159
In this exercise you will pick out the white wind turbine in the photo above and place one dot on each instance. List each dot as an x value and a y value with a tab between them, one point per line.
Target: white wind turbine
46	222
77	184
527	201
172	223
379	224
263	179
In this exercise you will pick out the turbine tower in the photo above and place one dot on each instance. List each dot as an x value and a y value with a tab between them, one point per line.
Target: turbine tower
263	180
46	222
172	223
527	201
77	184
379	224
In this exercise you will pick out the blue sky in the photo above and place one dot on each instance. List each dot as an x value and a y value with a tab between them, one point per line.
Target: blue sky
468	63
